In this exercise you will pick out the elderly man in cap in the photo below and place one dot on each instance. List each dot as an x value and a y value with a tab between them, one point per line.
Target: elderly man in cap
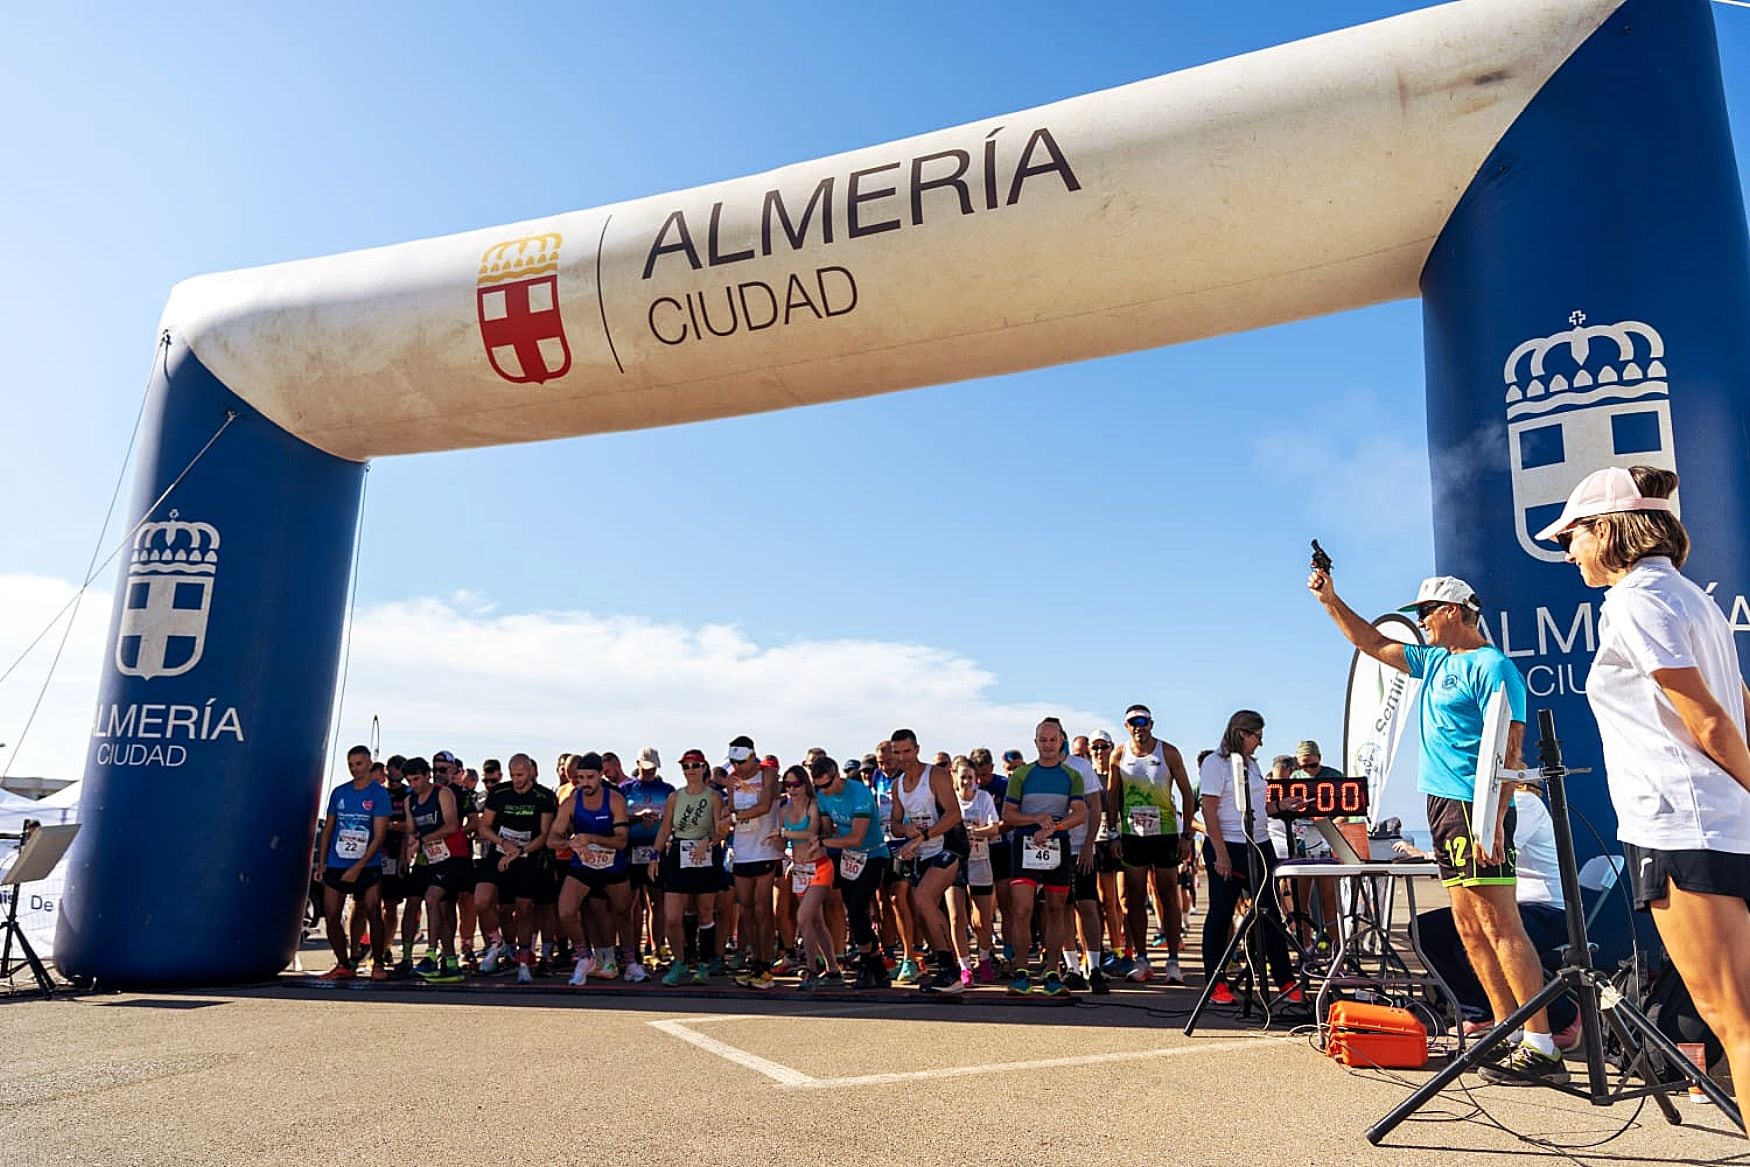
1460	671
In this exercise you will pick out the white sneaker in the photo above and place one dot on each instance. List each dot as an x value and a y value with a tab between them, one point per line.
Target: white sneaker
1141	973
489	962
1171	973
636	974
523	975
580	975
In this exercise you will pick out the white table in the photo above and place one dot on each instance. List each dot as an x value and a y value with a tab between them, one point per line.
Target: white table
1354	924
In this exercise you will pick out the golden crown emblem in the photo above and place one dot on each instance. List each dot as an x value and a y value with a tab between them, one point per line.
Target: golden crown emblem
519	259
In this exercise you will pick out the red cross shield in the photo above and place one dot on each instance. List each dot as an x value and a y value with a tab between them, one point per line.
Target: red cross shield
522	329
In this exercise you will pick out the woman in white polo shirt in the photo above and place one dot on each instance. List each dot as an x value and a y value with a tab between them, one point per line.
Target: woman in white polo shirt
1671	706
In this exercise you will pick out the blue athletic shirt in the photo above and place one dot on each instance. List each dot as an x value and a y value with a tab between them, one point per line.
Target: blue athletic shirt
855	801
1036	789
642	795
1455	691
352	812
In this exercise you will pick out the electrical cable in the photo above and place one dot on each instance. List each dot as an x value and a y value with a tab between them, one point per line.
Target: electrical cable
358	539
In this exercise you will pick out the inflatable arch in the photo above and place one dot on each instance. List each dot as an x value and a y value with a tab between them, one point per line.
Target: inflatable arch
1553	177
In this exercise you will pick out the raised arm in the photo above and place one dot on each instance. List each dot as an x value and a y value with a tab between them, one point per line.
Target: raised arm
1356	630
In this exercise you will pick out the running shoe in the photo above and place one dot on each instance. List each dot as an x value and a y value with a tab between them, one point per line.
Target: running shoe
427	967
1526	1066
1097	982
491	960
338	973
761	980
715	968
580	974
468	956
402	970
543	967
986	973
1172	974
1291	992
1053	986
676	974
1108	961
783	965
1222	994
736	963
1141	973
965	977
523	975
1075	981
809	982
1159	941
701	973
830	980
1020	984
1123	967
908	973
635	973
1568	1038
608	971
449	973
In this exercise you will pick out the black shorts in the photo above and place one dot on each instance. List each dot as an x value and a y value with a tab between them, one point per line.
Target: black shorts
1149	850
691	881
1651	872
758	869
1085	885
1108	857
639	868
524	879
877	870
394	887
452	877
1056	878
981	889
1449	823
367	879
918	868
1001	853
598	880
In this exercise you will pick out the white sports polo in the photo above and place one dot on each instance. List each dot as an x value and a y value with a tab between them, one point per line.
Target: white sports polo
1668	794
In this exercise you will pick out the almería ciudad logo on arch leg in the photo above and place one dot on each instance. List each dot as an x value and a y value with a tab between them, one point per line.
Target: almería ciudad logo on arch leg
517	299
169	594
1594	395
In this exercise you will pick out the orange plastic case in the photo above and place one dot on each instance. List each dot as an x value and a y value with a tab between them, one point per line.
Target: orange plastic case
1361	1034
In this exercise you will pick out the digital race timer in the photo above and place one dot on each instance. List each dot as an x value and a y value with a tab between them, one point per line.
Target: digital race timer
1325	797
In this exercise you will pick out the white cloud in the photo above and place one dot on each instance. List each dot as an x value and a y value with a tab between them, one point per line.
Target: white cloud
461	674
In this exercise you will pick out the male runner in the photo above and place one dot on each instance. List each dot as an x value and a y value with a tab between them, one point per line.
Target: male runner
1153	841
353	831
851	834
514	824
646	794
1045	801
926	821
441	868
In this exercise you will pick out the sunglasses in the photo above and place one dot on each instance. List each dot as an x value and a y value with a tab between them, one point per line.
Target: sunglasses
1101	747
794	785
1139	722
1423	611
692	765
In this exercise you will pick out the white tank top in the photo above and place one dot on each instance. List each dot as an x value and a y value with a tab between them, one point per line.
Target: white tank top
919	805
1150	768
750	837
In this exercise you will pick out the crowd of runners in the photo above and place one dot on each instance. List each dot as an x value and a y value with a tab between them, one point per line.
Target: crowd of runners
897	867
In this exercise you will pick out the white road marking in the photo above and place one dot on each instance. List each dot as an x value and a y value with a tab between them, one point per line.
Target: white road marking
797	1080
1040	1064
783	1075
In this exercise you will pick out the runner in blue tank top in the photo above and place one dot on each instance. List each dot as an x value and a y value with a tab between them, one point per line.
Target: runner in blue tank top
592	824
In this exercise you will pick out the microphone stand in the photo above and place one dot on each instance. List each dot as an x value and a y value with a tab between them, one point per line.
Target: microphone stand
1600	1001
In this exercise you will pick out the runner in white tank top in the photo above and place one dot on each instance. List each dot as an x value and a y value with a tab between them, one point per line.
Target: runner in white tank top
1151	839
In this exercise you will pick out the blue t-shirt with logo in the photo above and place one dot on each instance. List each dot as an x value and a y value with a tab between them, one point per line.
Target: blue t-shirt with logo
351	812
855	801
1455	692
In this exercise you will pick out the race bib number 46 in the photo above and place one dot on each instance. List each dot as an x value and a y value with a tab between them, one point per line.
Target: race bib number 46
1046	858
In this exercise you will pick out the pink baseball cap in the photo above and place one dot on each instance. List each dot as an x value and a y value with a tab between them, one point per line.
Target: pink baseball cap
1609	491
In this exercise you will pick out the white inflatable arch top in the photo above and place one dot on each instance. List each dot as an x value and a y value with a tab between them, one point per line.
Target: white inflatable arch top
1303	179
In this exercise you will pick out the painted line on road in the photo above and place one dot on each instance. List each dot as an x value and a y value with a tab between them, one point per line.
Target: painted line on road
783	1075
1039	1064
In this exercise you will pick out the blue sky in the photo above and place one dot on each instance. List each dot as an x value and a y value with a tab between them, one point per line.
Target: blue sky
889	538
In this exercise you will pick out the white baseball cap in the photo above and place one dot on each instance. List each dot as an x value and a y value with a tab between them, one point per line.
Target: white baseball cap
1603	492
1444	589
649	757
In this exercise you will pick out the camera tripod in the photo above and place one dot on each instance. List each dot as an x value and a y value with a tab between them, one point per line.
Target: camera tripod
1600	1001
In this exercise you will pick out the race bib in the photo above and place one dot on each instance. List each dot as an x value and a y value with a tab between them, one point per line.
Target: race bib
695	853
436	850
1145	820
1046	858
512	835
801	875
851	863
980	851
390	866
596	858
350	843
644	854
